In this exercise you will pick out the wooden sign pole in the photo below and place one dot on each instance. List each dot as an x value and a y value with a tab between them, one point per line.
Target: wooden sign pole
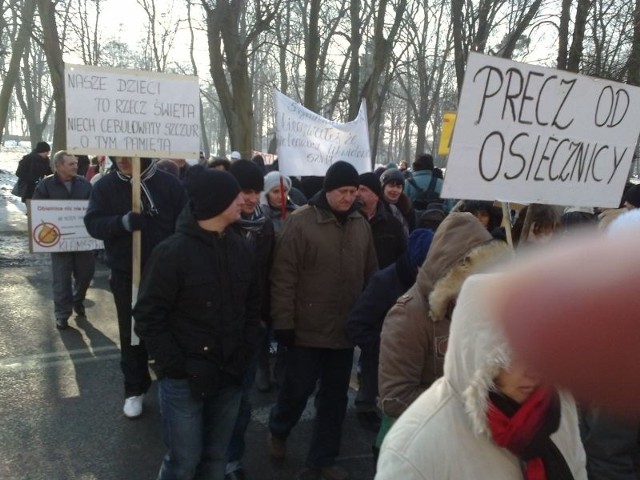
136	207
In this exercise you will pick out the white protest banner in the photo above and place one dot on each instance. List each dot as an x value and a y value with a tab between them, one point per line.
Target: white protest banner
58	226
309	144
131	113
531	134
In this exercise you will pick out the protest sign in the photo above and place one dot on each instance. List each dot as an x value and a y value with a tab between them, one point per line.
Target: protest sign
58	226
131	113
531	134
309	144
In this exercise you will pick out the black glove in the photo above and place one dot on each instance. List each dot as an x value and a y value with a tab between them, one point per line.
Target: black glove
133	221
285	337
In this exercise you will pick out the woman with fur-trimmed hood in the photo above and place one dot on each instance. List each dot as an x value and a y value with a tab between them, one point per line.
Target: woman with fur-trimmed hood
488	417
415	332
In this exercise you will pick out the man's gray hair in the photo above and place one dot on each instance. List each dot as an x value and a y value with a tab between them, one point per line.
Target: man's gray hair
58	157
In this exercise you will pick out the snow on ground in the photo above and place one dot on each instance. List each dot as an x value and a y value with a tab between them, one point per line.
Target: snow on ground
9	158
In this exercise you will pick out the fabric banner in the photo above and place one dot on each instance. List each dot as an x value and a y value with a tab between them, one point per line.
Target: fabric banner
309	144
530	134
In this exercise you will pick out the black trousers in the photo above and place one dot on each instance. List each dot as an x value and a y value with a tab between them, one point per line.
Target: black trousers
305	367
133	359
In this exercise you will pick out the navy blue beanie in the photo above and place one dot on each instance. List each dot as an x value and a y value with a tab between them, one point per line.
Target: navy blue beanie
418	246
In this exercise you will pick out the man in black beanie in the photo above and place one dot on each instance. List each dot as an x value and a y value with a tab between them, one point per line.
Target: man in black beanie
257	228
323	258
198	313
109	218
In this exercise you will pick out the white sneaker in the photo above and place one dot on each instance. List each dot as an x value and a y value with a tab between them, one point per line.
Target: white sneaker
133	406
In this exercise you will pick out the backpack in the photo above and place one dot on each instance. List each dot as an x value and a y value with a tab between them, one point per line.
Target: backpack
425	197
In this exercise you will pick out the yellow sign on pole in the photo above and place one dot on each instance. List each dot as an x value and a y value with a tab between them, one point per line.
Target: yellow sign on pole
448	122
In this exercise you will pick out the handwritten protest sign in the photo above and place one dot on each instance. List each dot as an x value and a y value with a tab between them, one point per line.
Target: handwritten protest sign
531	134
131	113
308	144
58	226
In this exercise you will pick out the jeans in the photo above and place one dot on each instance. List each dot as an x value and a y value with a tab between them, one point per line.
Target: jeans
133	359
305	366
236	448
196	432
72	274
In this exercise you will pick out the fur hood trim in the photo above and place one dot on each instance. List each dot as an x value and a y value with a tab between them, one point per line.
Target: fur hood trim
477	260
476	395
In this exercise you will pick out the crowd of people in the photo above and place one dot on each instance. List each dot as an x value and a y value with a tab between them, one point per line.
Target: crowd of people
237	258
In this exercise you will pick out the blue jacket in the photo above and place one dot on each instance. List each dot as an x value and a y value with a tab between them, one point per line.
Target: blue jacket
422	179
367	315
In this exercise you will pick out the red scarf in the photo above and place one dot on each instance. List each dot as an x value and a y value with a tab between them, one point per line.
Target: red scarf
518	432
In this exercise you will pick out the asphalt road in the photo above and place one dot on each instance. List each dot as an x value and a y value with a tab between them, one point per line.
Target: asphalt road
61	392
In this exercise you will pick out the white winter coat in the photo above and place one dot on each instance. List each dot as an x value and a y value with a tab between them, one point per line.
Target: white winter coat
444	434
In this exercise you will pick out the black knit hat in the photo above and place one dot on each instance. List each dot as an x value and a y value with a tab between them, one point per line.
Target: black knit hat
341	174
633	196
392	175
42	147
371	181
210	191
248	174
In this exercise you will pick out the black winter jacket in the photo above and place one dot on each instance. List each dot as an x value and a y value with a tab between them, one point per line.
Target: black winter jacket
388	236
381	293
52	187
111	199
262	242
31	169
199	300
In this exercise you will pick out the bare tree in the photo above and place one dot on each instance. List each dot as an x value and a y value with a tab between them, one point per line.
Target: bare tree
162	27
633	64
228	48
53	51
17	51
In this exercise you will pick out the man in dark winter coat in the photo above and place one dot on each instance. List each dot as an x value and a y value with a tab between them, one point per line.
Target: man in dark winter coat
32	168
109	218
198	313
388	232
323	259
72	271
365	321
390	243
257	229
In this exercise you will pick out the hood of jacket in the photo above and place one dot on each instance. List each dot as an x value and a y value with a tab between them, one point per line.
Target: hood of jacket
460	247
477	349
